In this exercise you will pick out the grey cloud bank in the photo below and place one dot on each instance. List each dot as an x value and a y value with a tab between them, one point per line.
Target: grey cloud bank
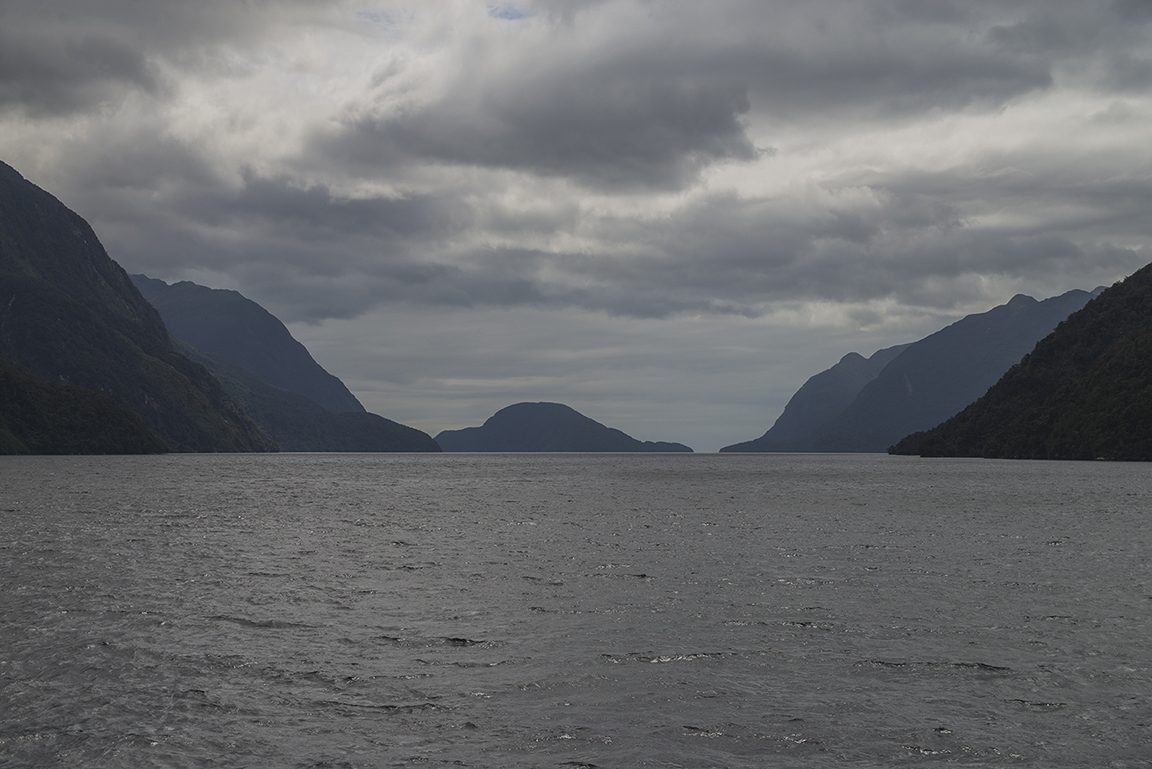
669	213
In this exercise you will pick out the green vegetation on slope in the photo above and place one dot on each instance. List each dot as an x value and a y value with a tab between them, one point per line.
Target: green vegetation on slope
44	418
1084	392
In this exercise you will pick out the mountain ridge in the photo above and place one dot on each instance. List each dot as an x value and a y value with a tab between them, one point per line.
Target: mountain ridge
935	377
819	399
69	314
226	323
1083	392
546	427
299	424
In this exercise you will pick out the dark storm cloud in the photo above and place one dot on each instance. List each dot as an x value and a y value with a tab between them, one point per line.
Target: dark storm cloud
315	212
602	127
653	103
64	75
60	57
313	253
610	100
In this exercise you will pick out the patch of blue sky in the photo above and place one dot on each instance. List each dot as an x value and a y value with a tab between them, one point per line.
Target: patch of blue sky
375	17
509	12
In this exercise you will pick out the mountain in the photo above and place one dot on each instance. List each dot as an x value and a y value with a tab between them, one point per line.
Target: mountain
1084	392
938	376
70	315
545	427
225	323
290	396
45	418
821	398
298	423
934	378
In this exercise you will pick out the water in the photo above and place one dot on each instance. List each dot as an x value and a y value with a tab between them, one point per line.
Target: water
574	611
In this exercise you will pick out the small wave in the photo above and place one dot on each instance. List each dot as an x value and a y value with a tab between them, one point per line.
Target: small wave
365	704
809	625
662	658
1040	707
936	665
268	624
462	642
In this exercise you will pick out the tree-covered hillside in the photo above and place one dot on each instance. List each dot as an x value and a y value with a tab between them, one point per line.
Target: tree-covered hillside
1084	392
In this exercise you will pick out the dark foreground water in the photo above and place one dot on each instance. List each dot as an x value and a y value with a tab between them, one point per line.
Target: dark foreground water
574	611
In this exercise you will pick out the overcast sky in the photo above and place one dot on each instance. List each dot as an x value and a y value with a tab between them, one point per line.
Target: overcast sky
667	215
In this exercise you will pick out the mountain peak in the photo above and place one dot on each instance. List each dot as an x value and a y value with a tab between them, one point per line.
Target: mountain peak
543	426
1081	393
72	315
223	322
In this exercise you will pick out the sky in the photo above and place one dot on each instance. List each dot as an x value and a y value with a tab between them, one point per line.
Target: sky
667	215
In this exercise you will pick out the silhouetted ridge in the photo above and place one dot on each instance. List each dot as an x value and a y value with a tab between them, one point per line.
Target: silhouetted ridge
70	315
821	398
935	377
298	423
545	427
1084	392
226	323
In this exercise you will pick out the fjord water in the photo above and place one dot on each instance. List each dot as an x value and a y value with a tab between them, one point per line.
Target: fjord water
574	610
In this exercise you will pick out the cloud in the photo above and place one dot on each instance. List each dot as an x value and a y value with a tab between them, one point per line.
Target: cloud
795	169
60	76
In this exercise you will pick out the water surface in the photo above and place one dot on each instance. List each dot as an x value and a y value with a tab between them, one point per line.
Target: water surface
573	610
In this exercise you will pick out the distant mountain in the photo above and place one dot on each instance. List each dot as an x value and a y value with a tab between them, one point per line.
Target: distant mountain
545	427
1084	392
934	378
938	376
298	423
821	398
70	315
305	408
225	323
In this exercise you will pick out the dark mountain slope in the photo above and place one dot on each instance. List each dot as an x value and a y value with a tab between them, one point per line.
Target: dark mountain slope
220	322
45	418
821	398
545	427
1084	392
298	423
939	375
70	315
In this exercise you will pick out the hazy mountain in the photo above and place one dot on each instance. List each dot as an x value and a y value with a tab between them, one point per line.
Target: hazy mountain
225	323
936	377
545	427
821	398
298	423
1084	392
919	386
70	315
